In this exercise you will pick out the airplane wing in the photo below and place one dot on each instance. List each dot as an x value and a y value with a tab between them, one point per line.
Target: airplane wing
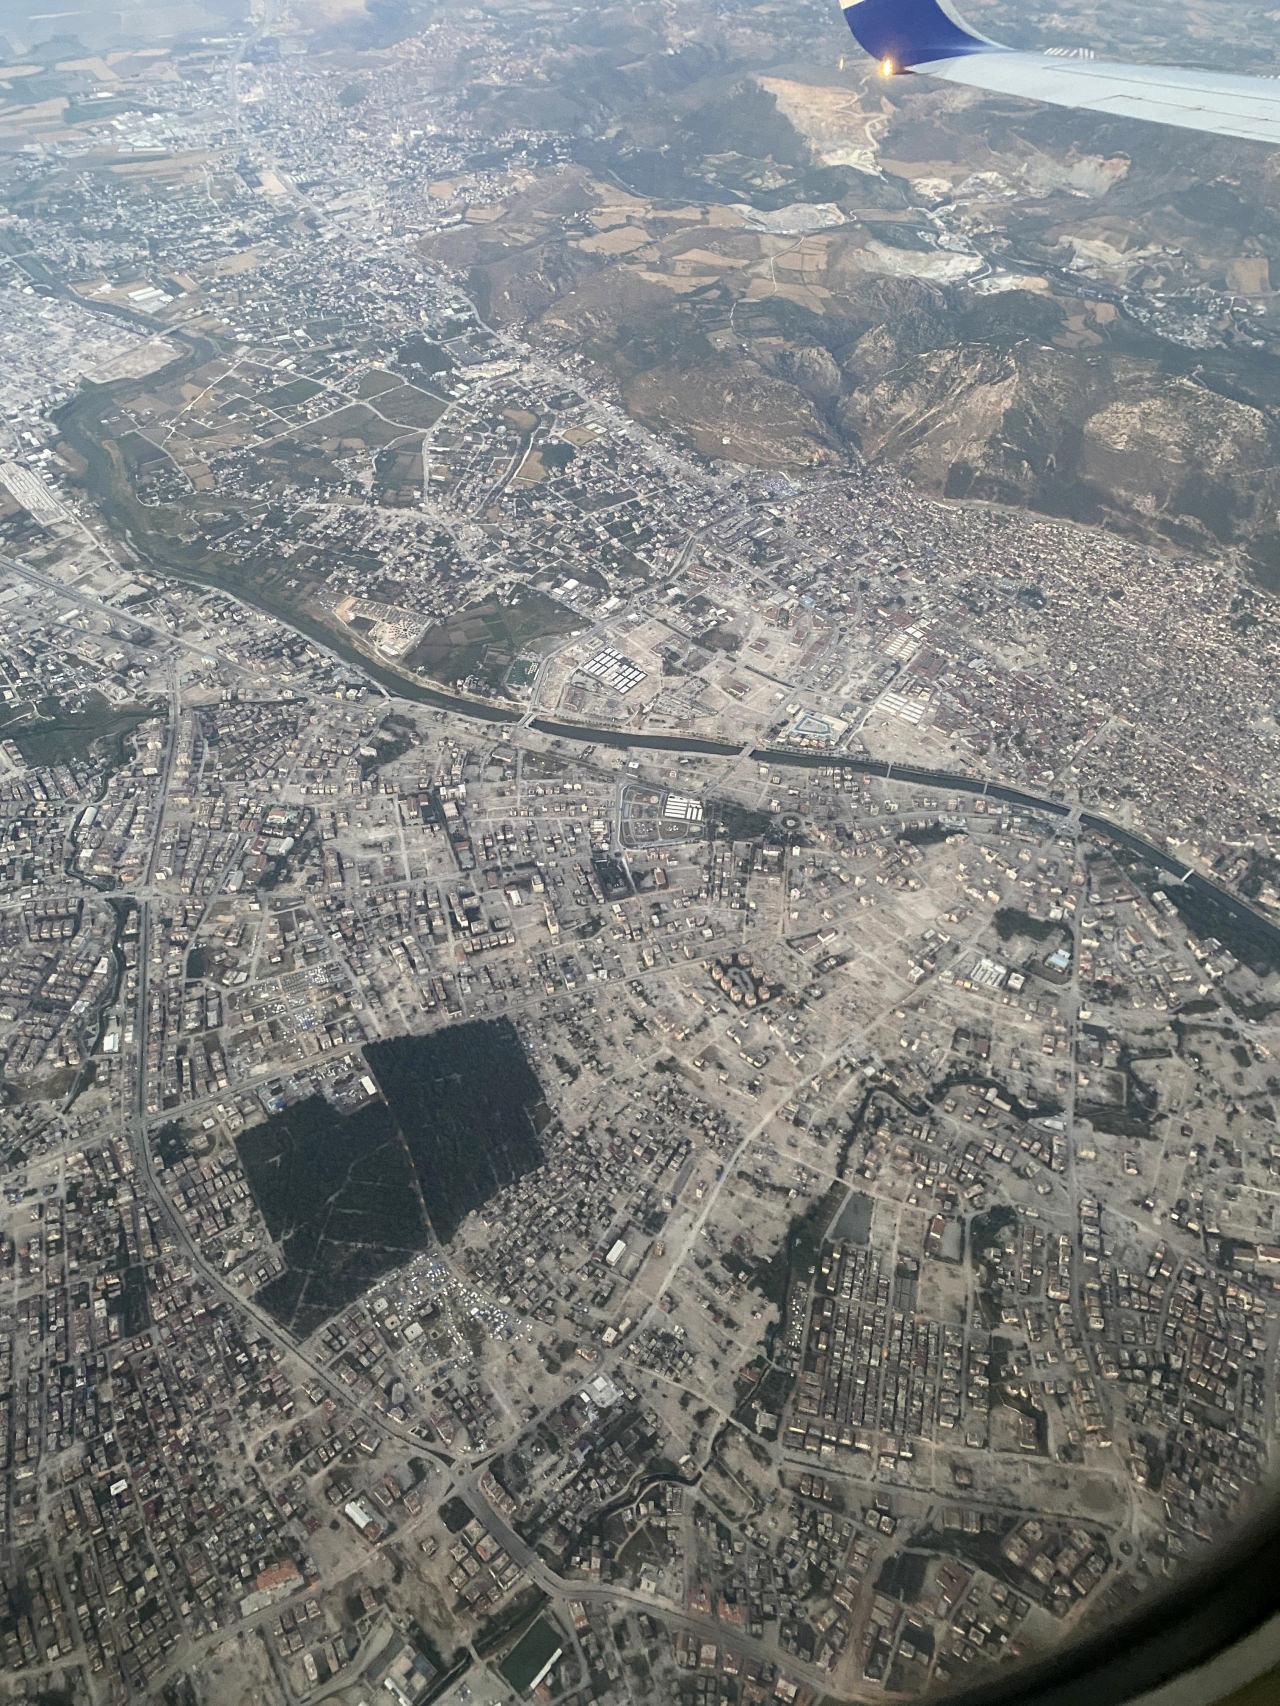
930	37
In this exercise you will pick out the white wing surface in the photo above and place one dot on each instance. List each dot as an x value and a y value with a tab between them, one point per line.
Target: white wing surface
930	38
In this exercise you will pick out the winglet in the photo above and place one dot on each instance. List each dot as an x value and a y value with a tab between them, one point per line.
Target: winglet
903	33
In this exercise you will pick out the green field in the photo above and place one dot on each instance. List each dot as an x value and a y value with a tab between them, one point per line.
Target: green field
485	639
531	1653
58	736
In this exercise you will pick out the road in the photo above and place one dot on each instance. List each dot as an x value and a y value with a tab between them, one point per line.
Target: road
144	1161
626	1599
392	681
952	781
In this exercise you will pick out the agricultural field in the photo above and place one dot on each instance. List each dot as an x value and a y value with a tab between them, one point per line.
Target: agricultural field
485	640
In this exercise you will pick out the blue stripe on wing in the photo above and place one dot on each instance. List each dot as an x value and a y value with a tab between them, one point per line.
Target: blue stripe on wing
903	33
